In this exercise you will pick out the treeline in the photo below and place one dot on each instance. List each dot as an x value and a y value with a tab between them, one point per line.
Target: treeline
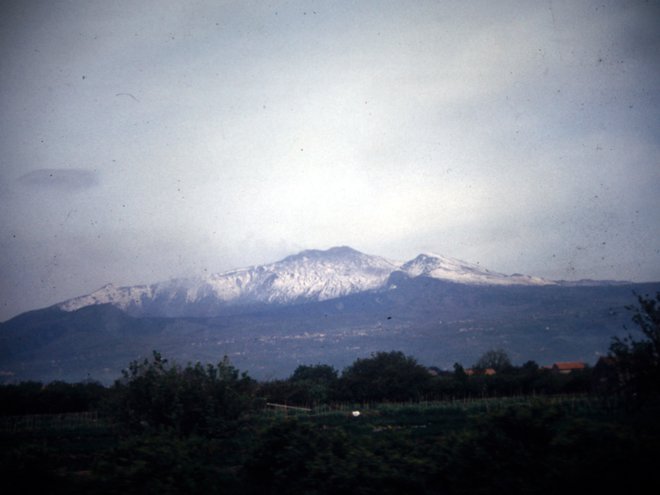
157	385
196	396
394	377
201	429
53	398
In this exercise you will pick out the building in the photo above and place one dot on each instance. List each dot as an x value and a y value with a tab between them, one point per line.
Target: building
487	371
567	367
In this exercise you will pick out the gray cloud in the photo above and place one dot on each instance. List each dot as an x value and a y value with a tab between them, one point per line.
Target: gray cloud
62	179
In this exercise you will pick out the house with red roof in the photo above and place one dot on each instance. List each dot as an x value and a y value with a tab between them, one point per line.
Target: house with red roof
567	367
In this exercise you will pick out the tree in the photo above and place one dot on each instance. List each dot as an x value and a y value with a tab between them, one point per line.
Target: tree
385	376
496	359
318	382
320	373
459	372
156	394
638	361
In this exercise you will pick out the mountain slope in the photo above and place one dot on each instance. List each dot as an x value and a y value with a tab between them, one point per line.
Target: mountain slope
311	275
453	270
436	321
316	306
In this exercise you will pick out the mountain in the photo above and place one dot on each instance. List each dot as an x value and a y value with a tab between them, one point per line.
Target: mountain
311	275
453	270
328	307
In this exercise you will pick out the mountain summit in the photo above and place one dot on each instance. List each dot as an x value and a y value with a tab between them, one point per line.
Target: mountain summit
311	275
453	270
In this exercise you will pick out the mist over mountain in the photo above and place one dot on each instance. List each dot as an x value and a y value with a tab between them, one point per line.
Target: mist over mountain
320	307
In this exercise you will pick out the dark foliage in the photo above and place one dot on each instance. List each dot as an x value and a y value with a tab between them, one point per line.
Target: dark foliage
308	385
539	449
395	377
298	457
157	395
389	376
527	379
198	429
52	398
166	464
638	361
496	359
320	373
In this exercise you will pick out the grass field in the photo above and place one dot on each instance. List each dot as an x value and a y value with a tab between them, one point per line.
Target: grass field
388	445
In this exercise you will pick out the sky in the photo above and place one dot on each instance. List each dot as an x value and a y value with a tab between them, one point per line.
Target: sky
145	140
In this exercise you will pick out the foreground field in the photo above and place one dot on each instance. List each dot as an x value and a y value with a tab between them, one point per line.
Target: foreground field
511	445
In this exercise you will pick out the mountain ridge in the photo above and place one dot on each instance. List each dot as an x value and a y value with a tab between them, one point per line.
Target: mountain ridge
317	306
436	321
310	275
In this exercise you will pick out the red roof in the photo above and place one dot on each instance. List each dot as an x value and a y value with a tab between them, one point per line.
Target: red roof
569	366
487	371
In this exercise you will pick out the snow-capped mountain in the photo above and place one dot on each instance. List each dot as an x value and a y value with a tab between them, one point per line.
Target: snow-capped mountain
319	307
122	297
453	270
311	275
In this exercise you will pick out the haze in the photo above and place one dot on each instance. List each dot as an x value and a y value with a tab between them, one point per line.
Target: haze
148	140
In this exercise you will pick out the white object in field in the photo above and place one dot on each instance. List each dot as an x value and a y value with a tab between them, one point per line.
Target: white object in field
356	413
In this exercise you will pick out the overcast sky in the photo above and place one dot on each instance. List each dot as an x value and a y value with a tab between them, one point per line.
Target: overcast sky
146	140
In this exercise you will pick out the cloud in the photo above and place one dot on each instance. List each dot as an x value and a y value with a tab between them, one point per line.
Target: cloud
66	180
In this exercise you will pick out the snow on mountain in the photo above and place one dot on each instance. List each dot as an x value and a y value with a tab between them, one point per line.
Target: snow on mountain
311	275
122	297
453	270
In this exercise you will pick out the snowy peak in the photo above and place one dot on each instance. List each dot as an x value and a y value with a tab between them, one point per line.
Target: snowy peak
338	252
454	270
122	297
311	275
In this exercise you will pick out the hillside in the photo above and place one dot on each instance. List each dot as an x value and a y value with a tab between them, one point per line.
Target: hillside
438	322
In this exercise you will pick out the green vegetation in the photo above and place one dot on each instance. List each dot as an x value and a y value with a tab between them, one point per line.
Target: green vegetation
384	376
155	395
55	397
638	361
166	428
496	359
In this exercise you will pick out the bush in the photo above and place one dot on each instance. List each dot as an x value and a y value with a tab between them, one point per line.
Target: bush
638	361
165	464
53	398
307	385
158	395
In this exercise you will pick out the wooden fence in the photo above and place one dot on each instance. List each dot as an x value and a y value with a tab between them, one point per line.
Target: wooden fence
573	403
